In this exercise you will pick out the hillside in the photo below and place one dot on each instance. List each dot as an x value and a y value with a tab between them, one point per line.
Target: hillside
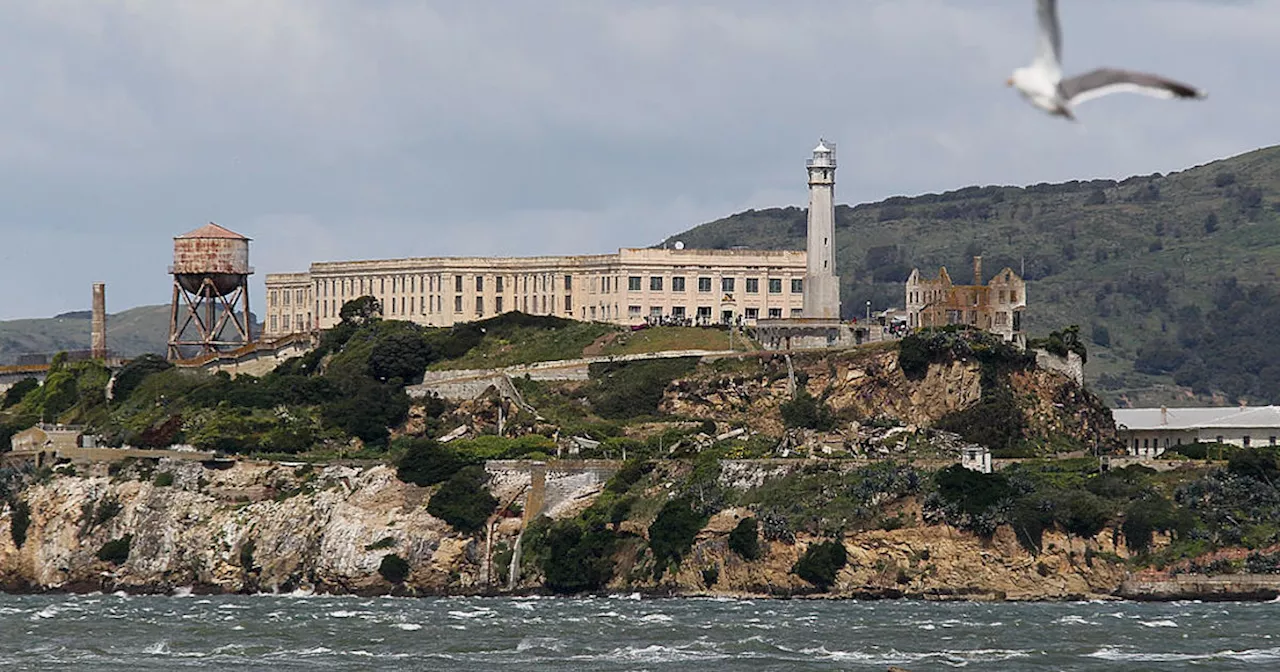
1172	278
136	331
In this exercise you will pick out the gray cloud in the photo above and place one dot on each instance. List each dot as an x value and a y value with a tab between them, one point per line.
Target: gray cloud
330	129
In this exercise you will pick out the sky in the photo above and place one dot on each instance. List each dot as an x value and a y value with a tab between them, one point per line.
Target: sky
359	129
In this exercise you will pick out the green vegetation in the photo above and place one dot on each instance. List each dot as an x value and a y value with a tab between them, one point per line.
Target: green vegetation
246	554
116	551
463	501
574	555
164	479
661	339
19	521
381	544
624	390
510	340
672	532
1138	262
821	563
745	539
805	411
828	498
393	568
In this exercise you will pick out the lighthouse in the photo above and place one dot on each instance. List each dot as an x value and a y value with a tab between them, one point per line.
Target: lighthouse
821	284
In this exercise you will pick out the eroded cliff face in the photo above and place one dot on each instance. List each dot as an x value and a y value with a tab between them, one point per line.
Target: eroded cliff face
263	528
248	528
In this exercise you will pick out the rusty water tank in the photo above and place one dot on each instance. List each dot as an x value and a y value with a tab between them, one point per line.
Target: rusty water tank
211	252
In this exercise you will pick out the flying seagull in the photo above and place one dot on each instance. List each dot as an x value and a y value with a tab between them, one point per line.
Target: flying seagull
1041	83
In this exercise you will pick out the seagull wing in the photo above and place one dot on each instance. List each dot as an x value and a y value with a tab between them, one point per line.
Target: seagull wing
1049	46
1103	81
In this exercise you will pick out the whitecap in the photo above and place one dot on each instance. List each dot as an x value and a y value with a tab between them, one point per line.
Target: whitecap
407	626
1158	624
656	618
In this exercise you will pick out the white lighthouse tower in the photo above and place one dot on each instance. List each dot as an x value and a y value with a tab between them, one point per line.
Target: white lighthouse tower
821	284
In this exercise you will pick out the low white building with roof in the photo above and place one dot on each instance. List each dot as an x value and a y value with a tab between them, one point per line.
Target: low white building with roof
1149	432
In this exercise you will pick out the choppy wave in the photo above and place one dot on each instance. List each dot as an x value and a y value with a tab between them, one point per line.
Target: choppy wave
283	633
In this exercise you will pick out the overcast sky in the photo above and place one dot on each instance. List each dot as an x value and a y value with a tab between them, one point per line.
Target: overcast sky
345	129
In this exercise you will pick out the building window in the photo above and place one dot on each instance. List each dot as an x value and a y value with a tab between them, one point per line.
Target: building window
677	284
273	299
655	312
726	284
479	283
704	312
796	312
1246	442
655	283
275	326
457	284
412	304
633	283
1013	297
457	304
678	313
753	285
753	313
797	285
568	283
286	321
568	303
633	311
479	305
498	285
286	297
1273	440
497	304
704	284
1218	438
775	285
775	313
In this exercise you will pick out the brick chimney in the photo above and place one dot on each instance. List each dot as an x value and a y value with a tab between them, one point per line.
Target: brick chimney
977	270
98	333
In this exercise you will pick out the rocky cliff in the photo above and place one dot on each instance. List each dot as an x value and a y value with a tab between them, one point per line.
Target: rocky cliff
260	527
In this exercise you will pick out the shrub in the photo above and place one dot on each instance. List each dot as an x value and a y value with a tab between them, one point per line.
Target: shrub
133	373
164	479
575	558
630	389
246	554
19	522
426	462
116	551
672	533
18	392
1256	464
1145	516
710	576
745	539
106	510
463	501
805	411
628	475
820	563
394	568
381	544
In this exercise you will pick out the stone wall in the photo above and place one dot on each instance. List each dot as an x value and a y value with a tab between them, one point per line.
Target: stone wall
1071	365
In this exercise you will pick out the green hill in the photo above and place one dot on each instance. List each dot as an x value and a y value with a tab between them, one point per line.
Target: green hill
1172	277
129	333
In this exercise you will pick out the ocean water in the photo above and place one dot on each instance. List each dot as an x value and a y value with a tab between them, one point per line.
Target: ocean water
298	632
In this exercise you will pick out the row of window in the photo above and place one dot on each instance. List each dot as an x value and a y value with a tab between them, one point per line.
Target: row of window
286	297
284	322
704	313
752	285
935	295
1246	441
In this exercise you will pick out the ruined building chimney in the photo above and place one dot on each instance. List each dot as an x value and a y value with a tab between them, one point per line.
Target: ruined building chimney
1164	415
98	338
977	270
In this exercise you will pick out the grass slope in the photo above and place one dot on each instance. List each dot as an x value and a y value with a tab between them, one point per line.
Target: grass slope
1123	259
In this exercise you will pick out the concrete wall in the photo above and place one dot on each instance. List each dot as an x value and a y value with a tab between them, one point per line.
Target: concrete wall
1071	365
549	486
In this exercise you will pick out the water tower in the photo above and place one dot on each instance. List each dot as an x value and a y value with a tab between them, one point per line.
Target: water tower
210	277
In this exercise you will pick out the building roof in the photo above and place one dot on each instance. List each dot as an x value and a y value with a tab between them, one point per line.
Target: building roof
212	230
822	147
1238	417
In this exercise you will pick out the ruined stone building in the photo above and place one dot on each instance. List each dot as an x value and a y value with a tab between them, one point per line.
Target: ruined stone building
631	287
995	306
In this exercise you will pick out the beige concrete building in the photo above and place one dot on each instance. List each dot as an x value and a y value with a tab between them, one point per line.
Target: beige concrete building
995	306
632	287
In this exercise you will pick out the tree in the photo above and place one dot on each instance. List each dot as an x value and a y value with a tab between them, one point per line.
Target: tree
672	533
821	563
361	311
402	355
133	373
805	411
14	395
463	501
426	462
